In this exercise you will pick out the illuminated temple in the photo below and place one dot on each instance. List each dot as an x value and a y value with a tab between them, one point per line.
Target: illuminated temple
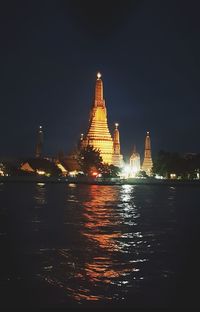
147	163
98	134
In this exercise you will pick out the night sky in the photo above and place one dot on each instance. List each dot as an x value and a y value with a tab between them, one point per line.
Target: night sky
147	51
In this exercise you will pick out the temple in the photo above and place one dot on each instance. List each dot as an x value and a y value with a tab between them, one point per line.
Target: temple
147	163
134	162
39	143
117	159
98	134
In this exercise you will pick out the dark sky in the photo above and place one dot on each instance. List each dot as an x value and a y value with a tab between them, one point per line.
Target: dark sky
147	51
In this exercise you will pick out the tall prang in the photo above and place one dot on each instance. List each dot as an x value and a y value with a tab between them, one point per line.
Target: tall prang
134	162
39	142
117	157
98	134
147	163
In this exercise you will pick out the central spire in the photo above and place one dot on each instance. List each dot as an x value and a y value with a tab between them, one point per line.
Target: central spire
98	134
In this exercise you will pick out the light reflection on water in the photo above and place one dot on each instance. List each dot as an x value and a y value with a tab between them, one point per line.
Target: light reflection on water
113	247
101	243
39	197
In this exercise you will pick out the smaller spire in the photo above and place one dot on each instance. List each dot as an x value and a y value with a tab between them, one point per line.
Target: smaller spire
116	142
147	162
39	142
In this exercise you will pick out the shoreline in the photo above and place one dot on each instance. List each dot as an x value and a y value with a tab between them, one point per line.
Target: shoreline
91	181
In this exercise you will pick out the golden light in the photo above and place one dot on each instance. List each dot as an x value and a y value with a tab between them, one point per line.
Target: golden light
98	75
1	173
60	166
73	173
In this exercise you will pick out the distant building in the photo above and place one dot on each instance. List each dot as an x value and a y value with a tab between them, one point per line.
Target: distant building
62	168
98	134
70	163
134	162
39	142
42	166
147	162
26	167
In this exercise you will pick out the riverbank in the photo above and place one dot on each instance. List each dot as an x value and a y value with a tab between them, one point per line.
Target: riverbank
99	181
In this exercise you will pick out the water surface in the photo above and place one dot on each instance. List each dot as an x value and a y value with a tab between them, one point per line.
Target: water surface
85	245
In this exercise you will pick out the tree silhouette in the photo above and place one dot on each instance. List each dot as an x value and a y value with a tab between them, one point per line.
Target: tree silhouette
90	160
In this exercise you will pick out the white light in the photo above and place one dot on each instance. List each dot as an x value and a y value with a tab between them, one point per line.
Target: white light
134	169
98	75
127	168
158	176
40	172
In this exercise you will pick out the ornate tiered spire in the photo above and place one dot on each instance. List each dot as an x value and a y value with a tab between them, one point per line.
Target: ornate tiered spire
39	143
117	157
98	133
116	142
147	163
135	162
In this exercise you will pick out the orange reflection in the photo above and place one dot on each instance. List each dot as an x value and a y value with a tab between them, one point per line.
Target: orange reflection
98	273
101	218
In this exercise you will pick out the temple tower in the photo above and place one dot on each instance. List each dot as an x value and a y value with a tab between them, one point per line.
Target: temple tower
147	163
39	142
134	162
98	134
117	157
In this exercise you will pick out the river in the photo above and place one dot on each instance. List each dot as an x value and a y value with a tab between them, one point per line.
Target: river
91	245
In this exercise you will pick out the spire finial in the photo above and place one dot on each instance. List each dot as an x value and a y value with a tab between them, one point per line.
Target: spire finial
116	125
99	90
98	75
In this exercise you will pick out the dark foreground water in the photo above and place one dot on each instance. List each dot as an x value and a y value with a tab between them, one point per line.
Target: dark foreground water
99	246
